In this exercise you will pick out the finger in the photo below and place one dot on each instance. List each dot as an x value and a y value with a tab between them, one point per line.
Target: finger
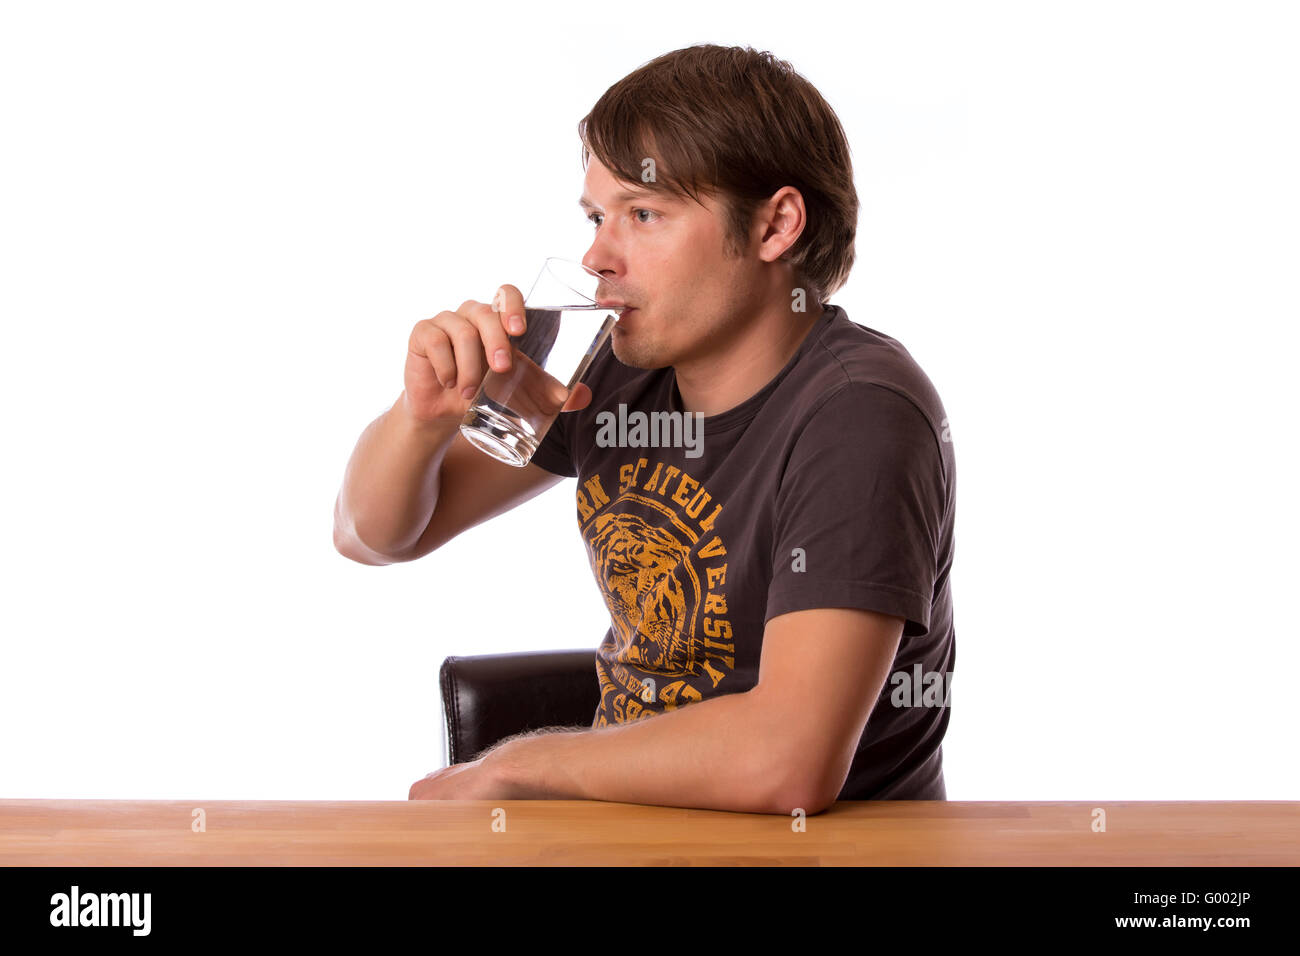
496	344
468	346
509	304
580	399
539	393
429	341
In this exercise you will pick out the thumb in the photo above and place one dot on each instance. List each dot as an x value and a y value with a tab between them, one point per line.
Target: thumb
580	399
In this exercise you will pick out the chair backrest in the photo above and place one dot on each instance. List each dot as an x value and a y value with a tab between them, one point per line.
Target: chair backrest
489	697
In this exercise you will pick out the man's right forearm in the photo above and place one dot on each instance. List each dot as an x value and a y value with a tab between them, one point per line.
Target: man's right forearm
390	488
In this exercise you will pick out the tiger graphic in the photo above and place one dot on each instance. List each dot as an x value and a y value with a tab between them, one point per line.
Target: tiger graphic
651	605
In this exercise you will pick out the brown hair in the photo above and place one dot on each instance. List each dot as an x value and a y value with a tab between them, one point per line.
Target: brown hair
742	124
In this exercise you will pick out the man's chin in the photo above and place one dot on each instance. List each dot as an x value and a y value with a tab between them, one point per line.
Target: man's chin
624	347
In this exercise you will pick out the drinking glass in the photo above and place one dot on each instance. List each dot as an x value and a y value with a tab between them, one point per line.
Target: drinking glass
564	329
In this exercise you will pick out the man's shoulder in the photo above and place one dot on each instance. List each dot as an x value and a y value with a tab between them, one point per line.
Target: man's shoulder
853	366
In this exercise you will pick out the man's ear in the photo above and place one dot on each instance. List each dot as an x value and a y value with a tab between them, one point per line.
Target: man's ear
780	220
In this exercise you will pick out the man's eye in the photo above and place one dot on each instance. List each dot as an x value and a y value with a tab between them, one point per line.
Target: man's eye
592	217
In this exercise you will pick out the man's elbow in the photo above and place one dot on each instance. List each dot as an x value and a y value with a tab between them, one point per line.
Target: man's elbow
811	800
798	787
351	547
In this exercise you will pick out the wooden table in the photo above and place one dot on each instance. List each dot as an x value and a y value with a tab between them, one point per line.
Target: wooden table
561	832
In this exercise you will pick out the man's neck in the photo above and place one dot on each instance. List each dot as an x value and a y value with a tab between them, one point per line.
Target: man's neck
716	385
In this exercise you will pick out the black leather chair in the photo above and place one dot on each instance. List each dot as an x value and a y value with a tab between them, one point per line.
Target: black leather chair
489	697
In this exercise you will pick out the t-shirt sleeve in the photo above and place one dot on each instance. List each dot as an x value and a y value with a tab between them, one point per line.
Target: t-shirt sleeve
553	452
862	498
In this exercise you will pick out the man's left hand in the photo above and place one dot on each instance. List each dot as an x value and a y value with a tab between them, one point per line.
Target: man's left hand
476	780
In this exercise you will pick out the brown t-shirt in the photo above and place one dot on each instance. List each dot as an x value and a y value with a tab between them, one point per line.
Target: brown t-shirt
833	486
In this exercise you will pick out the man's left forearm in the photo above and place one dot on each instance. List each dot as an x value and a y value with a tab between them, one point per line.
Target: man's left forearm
723	753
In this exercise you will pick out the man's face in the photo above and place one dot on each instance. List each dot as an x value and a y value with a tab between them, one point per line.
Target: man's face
669	257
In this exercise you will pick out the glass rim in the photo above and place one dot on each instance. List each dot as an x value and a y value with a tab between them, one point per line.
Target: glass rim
559	278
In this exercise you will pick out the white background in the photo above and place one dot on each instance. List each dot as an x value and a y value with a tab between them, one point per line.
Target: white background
219	224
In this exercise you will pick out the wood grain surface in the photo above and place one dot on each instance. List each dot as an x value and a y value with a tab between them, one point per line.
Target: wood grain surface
568	832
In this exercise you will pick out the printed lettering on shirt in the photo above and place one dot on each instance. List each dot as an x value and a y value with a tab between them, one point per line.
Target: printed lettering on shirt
650	532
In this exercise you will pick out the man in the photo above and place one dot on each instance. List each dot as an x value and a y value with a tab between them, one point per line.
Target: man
781	623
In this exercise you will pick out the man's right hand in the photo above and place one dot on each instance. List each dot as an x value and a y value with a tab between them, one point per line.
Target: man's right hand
447	357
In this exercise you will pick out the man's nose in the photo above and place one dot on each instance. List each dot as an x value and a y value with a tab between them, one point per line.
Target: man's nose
602	254
596	261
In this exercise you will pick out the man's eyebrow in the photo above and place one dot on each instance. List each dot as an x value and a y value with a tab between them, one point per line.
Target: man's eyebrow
624	196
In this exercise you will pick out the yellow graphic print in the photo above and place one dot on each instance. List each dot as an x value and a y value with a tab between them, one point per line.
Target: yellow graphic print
662	571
